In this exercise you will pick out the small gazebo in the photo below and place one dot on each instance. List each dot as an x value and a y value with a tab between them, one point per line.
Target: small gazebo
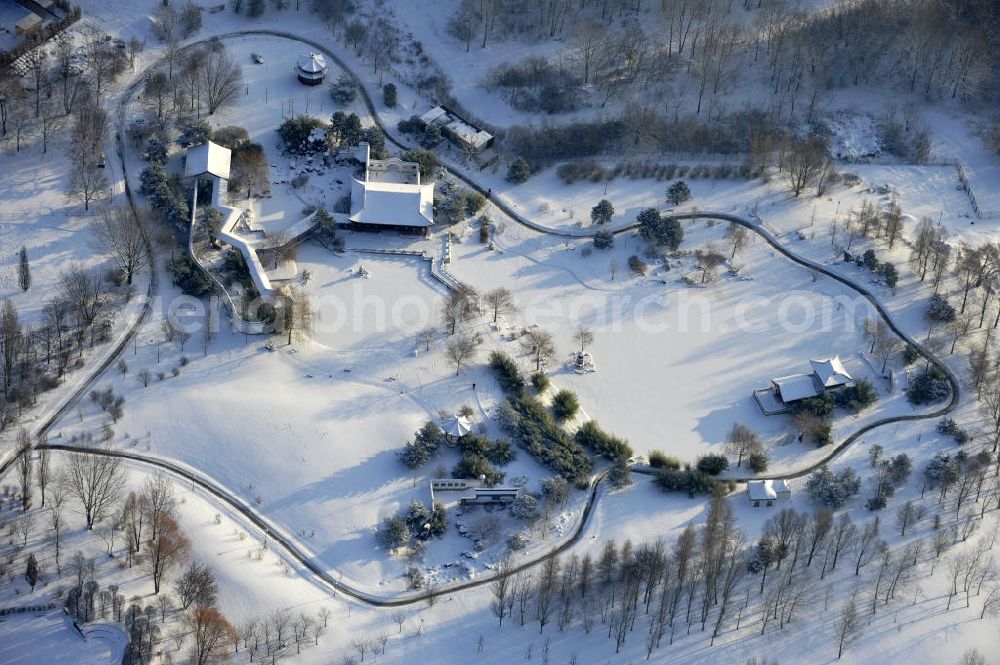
455	427
311	68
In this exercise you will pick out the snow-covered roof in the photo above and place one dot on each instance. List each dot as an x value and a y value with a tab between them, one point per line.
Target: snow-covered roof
456	426
314	63
796	387
761	490
392	204
780	486
433	115
209	158
472	136
458	128
830	372
29	22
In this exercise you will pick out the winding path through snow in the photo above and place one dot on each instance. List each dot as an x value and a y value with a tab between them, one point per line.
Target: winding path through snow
755	224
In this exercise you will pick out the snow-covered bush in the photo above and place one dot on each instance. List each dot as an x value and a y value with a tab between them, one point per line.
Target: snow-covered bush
832	490
524	506
712	464
604	240
928	387
949	427
506	372
565	404
592	437
939	309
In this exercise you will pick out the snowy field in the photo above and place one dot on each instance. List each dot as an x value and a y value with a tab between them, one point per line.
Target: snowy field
50	635
307	434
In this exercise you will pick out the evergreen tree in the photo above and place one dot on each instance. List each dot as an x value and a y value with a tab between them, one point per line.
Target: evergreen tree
389	95
432	137
602	212
519	171
31	572
678	193
23	270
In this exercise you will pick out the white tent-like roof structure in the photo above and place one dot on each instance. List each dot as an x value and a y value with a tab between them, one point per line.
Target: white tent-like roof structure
209	158
456	426
314	63
831	372
796	387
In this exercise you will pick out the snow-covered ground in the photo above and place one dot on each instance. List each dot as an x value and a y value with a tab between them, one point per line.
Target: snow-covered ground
51	636
307	434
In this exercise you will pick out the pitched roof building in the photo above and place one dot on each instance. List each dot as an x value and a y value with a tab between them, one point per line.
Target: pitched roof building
210	158
391	196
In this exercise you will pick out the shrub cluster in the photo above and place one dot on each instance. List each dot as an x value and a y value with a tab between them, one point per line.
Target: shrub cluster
537	432
188	276
857	397
887	271
298	136
928	387
832	490
660	460
591	171
712	464
508	375
687	480
939	309
425	443
565	404
663	231
949	427
592	437
165	194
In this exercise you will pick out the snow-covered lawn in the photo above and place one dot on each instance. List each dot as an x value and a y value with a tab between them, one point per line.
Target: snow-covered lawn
50	634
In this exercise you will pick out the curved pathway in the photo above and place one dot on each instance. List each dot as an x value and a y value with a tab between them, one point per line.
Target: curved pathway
261	522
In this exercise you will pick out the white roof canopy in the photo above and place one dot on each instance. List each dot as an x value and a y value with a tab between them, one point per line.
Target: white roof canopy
796	387
456	426
831	372
314	63
209	158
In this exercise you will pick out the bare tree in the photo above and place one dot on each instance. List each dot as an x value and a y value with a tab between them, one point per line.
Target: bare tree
426	336
583	336
461	349
847	628
500	301
738	236
400	619
221	80
96	481
806	159
742	442
867	545
459	308
24	465
539	345
43	472
57	524
167	548
121	233
213	635
87	183
22	527
82	290
501	588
